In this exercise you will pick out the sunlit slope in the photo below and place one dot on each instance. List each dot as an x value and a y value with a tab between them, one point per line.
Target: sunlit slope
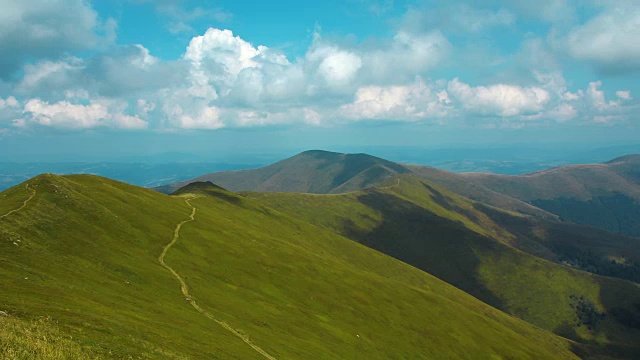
86	256
447	236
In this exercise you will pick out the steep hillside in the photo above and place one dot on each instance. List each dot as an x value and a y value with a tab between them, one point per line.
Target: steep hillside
455	240
459	184
602	195
125	272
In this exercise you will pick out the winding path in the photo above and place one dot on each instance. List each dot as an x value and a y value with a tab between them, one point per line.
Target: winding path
33	193
185	289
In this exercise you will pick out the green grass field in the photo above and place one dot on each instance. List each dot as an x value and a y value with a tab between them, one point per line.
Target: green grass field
87	260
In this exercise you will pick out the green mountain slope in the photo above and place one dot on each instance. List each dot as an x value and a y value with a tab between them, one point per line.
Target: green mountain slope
85	252
453	239
602	195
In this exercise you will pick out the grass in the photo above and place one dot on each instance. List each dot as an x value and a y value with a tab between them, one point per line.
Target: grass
87	260
37	339
451	238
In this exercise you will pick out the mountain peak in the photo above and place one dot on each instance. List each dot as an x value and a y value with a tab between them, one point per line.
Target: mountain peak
198	187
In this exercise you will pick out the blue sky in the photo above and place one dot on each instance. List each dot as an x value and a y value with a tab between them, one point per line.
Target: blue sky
128	77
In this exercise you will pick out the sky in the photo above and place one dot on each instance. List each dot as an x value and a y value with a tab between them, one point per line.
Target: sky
115	78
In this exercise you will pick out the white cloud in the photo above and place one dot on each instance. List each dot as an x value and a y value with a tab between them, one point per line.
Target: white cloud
126	70
407	56
222	80
624	95
248	118
9	102
230	52
339	67
144	107
410	102
53	73
569	96
64	114
47	29
563	112
207	118
217	59
596	97
610	41
125	121
499	100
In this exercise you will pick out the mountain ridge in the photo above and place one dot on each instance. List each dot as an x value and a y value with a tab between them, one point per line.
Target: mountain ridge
331	298
605	195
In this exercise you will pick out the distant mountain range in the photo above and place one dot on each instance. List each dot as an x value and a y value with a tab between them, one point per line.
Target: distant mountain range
606	195
603	195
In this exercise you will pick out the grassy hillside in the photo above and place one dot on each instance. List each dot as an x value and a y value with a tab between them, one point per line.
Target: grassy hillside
83	252
451	238
602	195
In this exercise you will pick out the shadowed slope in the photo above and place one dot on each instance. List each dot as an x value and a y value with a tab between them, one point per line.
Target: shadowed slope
449	237
602	195
87	258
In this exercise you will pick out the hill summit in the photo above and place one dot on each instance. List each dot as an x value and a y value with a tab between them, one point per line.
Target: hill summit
314	171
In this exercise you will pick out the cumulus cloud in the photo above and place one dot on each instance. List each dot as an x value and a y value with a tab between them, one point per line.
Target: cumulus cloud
339	68
48	29
610	41
596	97
222	80
411	102
208	118
76	116
217	58
500	99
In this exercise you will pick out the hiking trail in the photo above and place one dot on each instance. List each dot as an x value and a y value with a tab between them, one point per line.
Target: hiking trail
24	204
185	289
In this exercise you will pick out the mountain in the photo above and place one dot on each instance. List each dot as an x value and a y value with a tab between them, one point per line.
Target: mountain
324	172
468	245
95	268
605	195
314	171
